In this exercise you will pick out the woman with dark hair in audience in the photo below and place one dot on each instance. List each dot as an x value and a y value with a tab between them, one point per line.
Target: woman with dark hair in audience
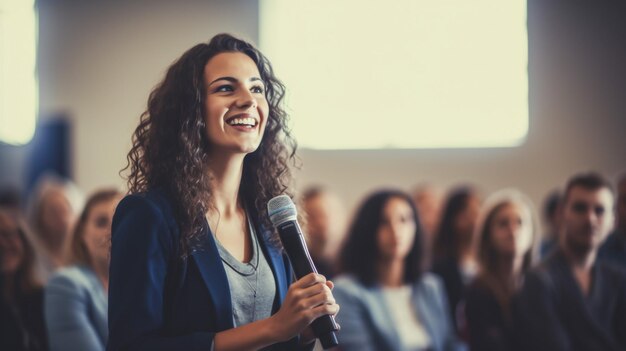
387	302
506	240
194	264
21	295
454	252
76	296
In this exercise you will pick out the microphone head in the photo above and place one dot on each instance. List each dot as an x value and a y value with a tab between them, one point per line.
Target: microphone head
281	209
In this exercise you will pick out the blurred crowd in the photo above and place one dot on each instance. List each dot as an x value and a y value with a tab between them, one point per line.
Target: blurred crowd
429	269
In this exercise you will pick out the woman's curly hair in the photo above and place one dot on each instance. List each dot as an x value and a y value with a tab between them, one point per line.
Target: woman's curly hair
170	144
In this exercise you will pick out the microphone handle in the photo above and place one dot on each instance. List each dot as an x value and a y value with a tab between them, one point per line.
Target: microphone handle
293	241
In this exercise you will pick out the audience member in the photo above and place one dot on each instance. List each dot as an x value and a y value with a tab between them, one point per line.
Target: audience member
21	295
325	224
571	301
614	248
505	234
454	252
53	206
76	296
428	201
387	302
551	218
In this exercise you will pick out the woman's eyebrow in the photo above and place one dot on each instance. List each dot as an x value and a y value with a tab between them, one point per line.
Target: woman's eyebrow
230	79
234	80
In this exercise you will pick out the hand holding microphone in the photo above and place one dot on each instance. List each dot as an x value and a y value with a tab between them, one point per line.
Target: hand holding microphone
309	298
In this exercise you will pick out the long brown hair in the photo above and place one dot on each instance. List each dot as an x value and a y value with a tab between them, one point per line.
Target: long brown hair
80	254
170	144
360	253
24	278
488	257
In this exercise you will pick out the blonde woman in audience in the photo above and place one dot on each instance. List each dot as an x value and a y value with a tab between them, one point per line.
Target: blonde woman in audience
387	302
76	296
53	209
506	238
21	294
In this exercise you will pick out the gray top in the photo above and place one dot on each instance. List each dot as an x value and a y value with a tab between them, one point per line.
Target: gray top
252	285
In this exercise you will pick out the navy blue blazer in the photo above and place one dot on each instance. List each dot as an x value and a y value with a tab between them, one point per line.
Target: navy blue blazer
160	301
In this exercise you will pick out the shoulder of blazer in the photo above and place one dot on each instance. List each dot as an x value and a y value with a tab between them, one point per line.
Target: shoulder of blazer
430	282
154	207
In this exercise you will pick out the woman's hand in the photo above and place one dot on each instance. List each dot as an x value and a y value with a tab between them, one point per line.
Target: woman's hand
307	299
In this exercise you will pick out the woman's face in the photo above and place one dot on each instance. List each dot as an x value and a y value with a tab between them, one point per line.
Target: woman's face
97	235
236	108
511	230
57	216
11	246
396	231
466	220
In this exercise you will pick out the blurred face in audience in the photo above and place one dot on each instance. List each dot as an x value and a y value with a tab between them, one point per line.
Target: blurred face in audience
511	230
587	218
396	231
57	216
428	202
466	220
325	220
97	232
11	246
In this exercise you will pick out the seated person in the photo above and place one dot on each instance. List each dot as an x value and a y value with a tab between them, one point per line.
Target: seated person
76	296
506	233
22	325
454	253
571	301
387	302
325	217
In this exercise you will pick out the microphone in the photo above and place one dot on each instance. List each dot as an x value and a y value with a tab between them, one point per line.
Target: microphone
283	215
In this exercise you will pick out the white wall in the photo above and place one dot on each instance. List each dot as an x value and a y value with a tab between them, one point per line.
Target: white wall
100	59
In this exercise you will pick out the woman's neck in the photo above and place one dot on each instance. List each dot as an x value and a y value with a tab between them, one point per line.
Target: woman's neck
391	273
226	176
505	269
57	250
102	272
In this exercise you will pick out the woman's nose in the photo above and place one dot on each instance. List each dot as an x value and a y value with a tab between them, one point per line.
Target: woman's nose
245	99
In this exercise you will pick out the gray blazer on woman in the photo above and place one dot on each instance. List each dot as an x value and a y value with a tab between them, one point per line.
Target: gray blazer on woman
366	322
76	310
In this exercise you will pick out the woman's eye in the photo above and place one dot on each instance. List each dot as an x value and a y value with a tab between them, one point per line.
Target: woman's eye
102	222
224	88
257	90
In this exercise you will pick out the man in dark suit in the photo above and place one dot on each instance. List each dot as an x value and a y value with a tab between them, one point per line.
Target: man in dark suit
571	301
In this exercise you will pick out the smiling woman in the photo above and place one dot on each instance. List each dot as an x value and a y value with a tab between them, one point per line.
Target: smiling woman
193	264
236	105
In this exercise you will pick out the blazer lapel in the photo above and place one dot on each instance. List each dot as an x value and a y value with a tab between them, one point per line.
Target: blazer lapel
214	276
276	262
425	313
381	318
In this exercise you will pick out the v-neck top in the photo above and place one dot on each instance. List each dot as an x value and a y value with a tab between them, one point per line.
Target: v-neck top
252	286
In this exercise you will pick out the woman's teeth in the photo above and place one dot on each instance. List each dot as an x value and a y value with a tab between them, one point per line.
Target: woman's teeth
249	121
